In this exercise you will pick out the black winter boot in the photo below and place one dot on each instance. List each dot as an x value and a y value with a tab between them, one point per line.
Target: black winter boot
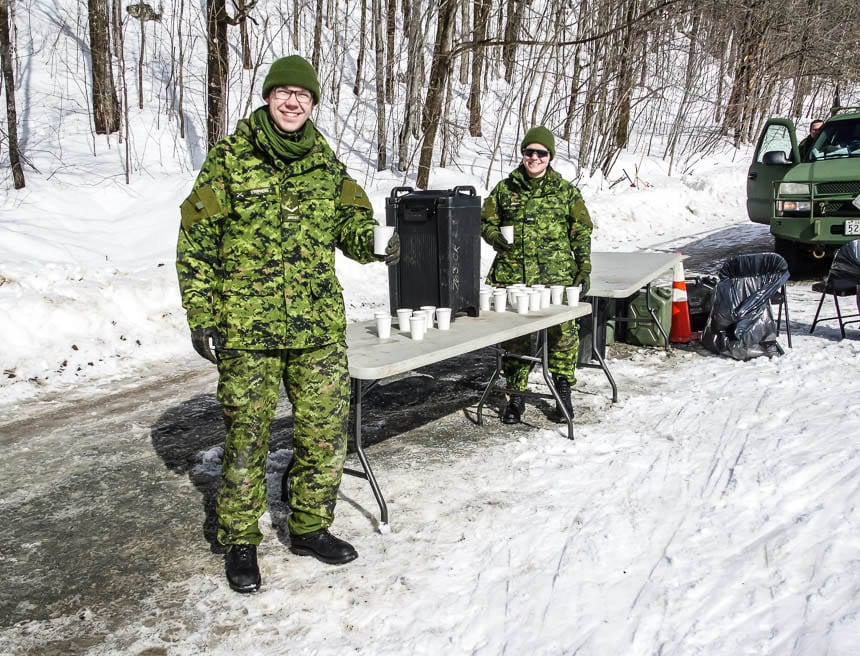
514	410
562	386
243	574
323	546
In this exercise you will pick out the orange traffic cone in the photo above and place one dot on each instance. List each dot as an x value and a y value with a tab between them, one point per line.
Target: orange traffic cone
680	332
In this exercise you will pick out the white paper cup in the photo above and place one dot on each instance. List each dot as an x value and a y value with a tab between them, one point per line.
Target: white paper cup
484	297
545	297
556	294
500	297
430	311
522	303
416	326
383	325
403	315
534	300
508	234
572	295
381	236
443	318
512	295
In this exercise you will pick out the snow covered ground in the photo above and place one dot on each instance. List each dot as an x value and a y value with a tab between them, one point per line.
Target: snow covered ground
713	510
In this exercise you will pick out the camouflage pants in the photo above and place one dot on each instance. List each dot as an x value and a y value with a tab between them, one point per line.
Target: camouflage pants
317	385
563	343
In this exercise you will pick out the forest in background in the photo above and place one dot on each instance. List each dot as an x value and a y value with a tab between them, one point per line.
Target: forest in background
409	80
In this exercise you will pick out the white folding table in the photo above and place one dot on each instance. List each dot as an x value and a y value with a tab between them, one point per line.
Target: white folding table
372	359
620	275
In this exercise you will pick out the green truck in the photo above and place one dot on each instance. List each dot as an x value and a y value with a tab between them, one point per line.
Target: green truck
810	202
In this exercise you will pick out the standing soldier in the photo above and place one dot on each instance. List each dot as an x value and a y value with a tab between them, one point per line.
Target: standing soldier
256	266
552	246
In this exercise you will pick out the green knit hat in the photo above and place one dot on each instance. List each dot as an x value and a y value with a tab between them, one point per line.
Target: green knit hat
293	70
539	134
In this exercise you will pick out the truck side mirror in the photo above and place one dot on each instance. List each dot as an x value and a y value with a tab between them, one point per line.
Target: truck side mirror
775	157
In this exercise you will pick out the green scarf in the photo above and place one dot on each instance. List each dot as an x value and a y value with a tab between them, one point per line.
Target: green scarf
287	146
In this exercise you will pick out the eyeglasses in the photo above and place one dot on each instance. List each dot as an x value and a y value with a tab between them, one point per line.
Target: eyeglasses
304	97
535	152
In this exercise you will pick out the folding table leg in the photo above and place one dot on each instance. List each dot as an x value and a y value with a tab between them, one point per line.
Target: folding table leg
544	355
595	352
367	474
489	387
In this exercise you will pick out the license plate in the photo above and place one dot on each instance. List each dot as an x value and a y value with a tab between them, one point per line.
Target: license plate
852	227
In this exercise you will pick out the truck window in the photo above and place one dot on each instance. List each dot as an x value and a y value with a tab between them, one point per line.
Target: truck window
776	137
837	139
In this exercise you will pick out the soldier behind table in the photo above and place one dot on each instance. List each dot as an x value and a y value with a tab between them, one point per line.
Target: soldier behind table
256	266
552	246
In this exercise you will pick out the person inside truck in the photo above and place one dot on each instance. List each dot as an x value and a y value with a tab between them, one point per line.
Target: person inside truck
805	146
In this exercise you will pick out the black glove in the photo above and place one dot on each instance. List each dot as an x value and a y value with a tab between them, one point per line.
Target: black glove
583	277
200	338
392	250
583	280
499	243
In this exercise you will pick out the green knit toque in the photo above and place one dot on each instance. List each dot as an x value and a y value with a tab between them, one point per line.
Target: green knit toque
539	134
293	70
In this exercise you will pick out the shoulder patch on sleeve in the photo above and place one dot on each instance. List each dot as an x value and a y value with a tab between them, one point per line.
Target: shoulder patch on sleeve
200	204
580	213
354	195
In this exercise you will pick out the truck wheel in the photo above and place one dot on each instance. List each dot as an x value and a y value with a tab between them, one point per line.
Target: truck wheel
790	252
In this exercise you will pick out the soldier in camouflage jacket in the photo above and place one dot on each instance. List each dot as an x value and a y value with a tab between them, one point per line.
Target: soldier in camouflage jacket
256	266
552	246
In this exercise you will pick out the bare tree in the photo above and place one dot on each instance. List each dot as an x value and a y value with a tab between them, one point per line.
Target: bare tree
318	22
359	60
391	54
479	33
106	109
439	72
379	44
411	127
9	85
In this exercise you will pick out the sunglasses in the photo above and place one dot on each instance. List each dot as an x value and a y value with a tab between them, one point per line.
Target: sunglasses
531	152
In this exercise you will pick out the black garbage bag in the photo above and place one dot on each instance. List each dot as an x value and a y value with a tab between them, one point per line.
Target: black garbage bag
845	269
741	324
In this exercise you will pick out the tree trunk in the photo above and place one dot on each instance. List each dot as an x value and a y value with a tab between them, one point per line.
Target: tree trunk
106	109
410	128
318	22
439	72
379	44
512	31
245	39
391	55
217	64
9	84
479	33
359	60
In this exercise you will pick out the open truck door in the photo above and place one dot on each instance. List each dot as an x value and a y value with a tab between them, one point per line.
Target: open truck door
776	152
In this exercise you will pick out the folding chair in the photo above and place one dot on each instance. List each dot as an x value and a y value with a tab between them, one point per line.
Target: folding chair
741	324
841	281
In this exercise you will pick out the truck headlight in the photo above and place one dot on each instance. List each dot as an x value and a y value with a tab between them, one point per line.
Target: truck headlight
793	188
793	205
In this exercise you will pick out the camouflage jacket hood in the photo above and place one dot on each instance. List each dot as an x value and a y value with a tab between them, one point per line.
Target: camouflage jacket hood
256	248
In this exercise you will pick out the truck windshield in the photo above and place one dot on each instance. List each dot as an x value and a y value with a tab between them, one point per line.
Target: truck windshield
837	139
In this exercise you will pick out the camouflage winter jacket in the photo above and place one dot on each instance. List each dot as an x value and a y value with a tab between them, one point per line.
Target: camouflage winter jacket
552	229
256	249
